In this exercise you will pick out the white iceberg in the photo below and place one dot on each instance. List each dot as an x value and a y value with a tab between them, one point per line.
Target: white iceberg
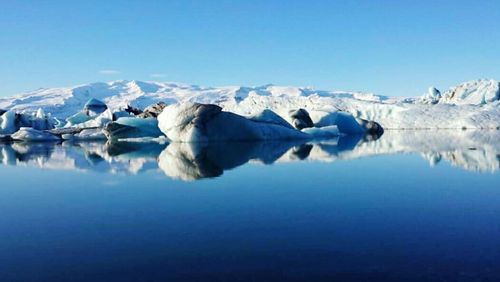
39	121
96	121
11	121
345	123
8	123
431	97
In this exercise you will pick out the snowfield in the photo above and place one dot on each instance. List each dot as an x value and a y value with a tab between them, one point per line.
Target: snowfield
474	104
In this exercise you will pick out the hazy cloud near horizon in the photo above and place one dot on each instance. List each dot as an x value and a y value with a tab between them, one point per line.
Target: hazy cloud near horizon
109	72
158	75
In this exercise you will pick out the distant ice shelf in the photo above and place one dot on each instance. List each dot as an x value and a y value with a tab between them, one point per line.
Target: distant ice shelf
473	104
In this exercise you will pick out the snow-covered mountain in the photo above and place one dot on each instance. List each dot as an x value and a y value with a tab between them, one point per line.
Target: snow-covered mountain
473	104
63	102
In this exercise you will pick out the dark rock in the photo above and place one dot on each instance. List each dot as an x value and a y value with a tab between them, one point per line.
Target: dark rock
302	151
2	112
132	110
204	112
301	119
373	129
152	111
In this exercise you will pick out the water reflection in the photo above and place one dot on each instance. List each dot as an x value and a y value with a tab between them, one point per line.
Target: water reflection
191	161
471	150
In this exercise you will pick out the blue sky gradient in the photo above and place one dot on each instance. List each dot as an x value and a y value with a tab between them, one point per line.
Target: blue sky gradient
396	48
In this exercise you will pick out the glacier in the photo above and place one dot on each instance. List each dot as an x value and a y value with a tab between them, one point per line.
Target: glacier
470	105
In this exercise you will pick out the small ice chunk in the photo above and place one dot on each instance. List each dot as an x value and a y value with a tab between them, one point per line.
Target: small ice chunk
40	114
33	135
431	97
94	107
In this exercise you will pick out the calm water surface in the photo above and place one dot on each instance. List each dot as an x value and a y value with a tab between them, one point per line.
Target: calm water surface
411	206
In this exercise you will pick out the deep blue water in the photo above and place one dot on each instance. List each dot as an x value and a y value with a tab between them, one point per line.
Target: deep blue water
73	214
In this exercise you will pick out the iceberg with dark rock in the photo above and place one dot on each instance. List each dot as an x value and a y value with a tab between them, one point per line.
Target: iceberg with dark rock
193	122
192	161
152	111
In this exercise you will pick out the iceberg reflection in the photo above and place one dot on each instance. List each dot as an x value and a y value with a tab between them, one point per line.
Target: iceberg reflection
129	158
191	161
470	150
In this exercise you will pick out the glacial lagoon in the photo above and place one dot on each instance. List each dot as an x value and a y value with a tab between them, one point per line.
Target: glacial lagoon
411	206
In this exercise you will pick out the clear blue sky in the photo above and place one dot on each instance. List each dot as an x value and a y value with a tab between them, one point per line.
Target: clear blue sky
386	47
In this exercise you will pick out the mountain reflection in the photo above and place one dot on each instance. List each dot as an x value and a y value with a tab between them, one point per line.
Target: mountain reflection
471	150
